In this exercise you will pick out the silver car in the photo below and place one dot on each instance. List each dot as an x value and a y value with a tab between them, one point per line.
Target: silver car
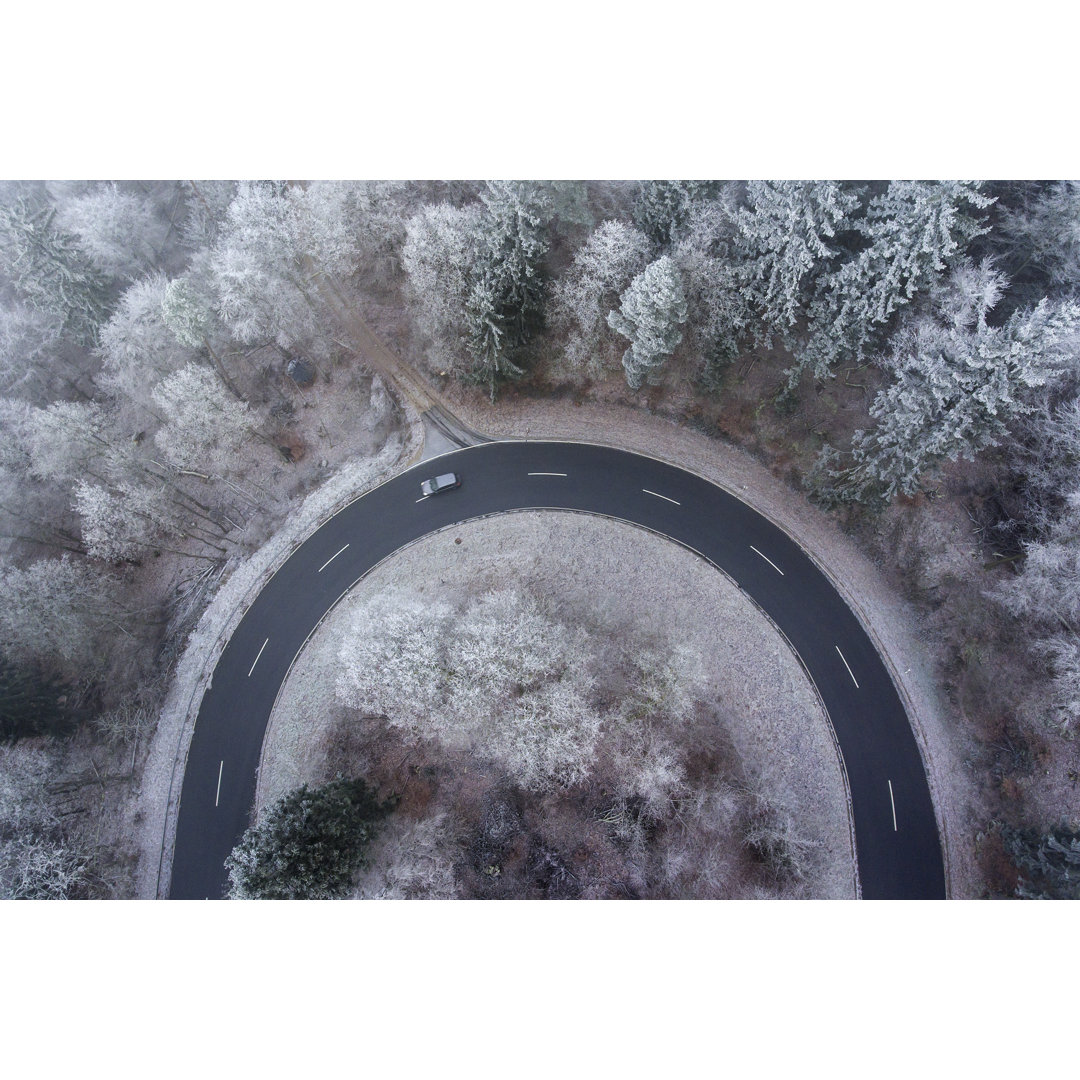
440	483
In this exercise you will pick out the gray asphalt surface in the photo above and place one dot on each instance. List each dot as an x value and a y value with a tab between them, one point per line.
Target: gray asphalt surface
898	849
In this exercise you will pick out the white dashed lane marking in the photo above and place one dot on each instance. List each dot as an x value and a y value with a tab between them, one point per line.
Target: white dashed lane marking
330	560
218	795
252	668
659	496
547	474
768	560
848	666
892	803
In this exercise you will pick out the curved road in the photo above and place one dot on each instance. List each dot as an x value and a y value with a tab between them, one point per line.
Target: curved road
898	850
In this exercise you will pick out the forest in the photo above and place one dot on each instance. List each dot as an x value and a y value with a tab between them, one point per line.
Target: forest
179	369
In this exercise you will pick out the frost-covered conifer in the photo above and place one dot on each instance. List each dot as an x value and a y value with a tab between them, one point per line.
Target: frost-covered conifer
652	310
602	268
506	301
187	312
50	271
784	238
308	844
516	241
915	231
955	392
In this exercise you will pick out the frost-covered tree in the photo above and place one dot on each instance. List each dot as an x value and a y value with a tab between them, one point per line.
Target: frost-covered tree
118	230
37	862
505	304
127	522
412	860
602	269
956	391
261	270
663	205
476	276
205	209
49	270
29	342
784	237
717	300
66	440
59	611
915	230
308	845
137	347
187	309
1042	234
503	678
440	250
651	313
204	427
515	243
390	639
373	216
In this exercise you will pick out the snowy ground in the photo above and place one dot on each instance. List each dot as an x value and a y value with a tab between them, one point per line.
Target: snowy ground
777	724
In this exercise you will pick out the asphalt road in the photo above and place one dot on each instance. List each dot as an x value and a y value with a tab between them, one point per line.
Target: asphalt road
898	849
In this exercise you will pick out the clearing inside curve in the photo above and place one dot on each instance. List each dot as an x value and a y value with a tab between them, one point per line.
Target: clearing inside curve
732	790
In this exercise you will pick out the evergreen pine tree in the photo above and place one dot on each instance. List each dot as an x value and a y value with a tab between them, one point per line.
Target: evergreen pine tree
49	269
784	239
308	844
652	310
916	230
956	391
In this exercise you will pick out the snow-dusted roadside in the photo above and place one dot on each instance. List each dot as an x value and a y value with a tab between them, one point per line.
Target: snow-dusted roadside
624	576
163	772
892	623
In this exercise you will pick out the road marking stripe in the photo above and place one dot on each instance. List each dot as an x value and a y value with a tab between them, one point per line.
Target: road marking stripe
257	657
848	666
330	560
893	803
425	497
659	496
547	474
768	560
218	795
